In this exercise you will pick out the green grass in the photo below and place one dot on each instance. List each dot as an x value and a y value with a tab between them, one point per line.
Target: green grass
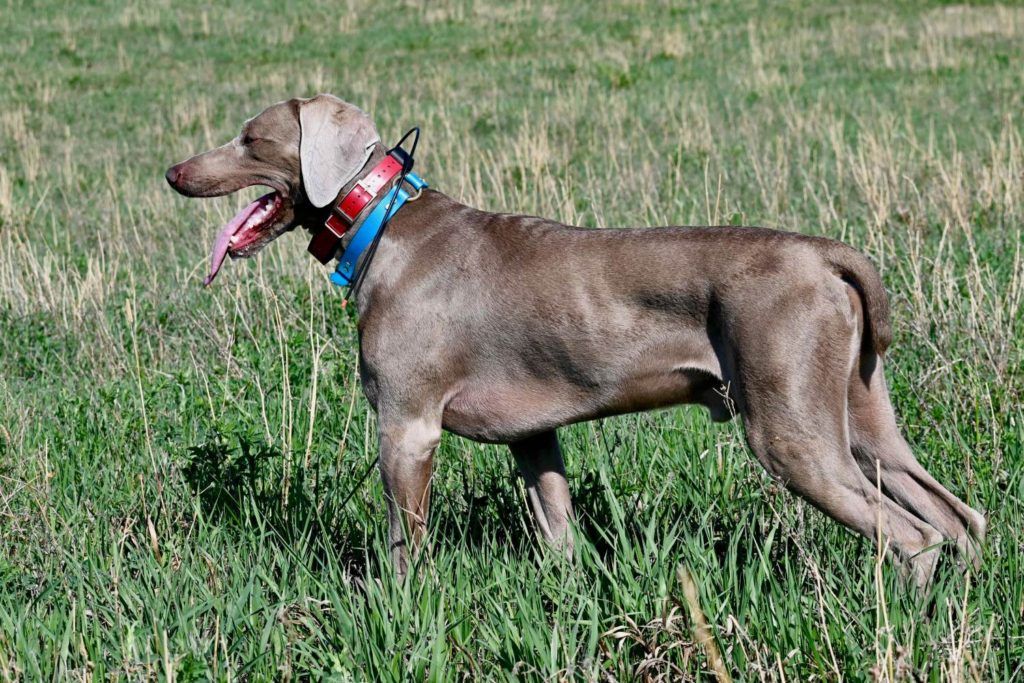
174	485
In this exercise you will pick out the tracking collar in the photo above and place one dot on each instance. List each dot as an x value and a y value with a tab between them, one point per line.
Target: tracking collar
345	214
379	216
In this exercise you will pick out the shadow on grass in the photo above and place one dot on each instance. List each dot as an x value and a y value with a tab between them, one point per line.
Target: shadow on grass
240	482
493	511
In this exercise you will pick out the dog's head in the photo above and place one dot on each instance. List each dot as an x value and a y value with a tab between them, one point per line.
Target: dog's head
305	151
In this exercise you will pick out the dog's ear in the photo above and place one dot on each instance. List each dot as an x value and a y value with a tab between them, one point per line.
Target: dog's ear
336	140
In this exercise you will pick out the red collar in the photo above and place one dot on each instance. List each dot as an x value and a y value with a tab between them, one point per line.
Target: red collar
344	214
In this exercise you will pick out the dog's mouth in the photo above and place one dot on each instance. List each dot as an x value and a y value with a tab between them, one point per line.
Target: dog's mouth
250	230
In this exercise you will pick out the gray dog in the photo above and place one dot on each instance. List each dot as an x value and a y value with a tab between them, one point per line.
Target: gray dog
502	328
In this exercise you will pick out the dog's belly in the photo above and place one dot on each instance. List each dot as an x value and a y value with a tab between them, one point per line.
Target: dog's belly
505	411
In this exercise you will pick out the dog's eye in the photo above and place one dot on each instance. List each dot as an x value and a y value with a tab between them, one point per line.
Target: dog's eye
248	139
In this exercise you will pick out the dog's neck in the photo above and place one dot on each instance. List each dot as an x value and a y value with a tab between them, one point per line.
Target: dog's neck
409	229
320	217
378	153
351	248
355	213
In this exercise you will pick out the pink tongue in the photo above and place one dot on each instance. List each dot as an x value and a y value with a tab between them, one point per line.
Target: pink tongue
220	246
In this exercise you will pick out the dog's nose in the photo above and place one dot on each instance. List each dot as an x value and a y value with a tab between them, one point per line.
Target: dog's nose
173	175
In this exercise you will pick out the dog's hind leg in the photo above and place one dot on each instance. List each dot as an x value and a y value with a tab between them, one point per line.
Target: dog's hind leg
406	458
821	470
878	445
540	462
793	398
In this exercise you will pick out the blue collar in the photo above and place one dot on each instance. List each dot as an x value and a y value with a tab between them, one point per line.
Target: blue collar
344	274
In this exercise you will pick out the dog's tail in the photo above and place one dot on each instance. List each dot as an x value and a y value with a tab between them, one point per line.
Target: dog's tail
855	268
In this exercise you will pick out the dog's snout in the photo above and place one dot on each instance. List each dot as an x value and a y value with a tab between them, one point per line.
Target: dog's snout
173	175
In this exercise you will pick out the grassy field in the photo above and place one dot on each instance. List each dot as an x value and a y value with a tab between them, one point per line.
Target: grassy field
176	463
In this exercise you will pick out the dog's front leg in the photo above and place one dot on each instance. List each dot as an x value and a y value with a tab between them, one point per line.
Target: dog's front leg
407	447
540	462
